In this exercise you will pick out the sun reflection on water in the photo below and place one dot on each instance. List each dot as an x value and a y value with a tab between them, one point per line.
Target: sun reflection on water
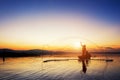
35	68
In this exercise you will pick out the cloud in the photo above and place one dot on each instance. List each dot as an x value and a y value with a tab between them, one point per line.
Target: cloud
112	49
109	48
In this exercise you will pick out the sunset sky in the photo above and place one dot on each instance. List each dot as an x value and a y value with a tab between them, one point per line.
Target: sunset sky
60	24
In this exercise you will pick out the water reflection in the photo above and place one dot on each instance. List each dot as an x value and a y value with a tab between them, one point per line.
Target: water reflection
32	68
85	63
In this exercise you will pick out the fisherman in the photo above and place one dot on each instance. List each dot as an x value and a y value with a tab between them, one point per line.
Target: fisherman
83	50
85	54
3	56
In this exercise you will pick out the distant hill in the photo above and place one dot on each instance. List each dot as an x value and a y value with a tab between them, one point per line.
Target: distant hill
105	52
23	53
38	52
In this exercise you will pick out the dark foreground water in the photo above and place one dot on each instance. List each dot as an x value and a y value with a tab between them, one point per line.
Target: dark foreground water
33	68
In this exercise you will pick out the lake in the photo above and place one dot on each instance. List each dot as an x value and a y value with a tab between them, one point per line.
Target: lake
33	68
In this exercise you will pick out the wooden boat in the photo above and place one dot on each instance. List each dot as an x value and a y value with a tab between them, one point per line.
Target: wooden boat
85	57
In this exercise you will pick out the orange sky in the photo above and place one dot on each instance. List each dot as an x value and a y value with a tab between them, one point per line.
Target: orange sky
57	32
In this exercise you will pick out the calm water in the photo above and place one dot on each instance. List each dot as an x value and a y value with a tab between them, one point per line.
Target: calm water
33	68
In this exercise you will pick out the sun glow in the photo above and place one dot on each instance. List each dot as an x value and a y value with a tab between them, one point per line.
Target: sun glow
77	45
